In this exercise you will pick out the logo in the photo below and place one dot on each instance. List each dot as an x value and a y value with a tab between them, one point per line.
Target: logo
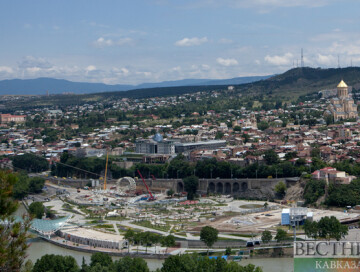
326	256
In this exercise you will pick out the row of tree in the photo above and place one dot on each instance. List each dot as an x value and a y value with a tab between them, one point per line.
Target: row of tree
148	238
179	167
327	228
103	262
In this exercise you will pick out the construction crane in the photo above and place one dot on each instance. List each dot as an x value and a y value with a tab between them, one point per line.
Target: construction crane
147	188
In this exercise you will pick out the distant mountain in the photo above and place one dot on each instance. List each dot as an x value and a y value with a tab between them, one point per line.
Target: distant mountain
58	86
54	86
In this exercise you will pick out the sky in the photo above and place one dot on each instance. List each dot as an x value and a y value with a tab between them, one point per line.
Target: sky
137	41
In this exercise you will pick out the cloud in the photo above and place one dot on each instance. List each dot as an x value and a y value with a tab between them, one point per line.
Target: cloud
261	5
226	41
6	70
125	41
280	60
102	42
191	41
326	60
33	62
227	62
91	68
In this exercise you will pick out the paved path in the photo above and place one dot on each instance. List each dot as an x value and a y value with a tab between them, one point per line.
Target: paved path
116	229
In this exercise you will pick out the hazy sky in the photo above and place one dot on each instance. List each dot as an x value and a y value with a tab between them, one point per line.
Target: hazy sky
135	41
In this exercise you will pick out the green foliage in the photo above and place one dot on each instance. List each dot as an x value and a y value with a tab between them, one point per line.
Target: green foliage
193	262
128	264
30	163
280	235
209	236
228	251
170	192
191	184
266	236
330	227
271	157
13	235
21	187
343	195
313	190
179	167
56	263
315	153
36	184
168	241
280	188
100	258
37	209
263	125
311	228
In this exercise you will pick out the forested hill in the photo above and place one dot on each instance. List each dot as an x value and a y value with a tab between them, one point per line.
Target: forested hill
284	87
293	83
300	81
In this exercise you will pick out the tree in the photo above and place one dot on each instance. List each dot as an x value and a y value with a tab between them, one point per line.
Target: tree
128	264
228	251
30	163
330	227
56	263
271	157
280	188
21	187
280	235
313	190
170	192
311	229
190	185
266	236
263	125
13	234
168	241
129	235
37	209
36	184
101	258
209	236
194	262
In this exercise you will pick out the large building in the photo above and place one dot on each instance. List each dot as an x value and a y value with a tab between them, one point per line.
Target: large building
8	118
156	145
343	106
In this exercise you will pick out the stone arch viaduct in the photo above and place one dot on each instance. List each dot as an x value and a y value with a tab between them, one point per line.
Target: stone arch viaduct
244	188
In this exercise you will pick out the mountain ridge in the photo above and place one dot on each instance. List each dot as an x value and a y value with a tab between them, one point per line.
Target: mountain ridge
43	85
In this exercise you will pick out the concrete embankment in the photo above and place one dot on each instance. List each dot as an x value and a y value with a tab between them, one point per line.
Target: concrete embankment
112	253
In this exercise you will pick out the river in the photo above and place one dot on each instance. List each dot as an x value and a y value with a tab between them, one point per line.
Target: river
40	247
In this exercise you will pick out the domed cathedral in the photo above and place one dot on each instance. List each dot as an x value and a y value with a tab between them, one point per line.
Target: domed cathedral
343	106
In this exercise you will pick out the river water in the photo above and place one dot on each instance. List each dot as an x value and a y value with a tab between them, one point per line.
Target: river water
40	247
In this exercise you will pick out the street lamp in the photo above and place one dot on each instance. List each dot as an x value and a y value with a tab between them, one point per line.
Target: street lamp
211	173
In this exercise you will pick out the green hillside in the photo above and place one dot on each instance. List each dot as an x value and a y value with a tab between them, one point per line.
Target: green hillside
287	86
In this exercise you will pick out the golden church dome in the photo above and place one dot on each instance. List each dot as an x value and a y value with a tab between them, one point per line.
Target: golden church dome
342	84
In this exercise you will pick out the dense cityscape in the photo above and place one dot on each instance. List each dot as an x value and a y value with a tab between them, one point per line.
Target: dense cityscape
179	136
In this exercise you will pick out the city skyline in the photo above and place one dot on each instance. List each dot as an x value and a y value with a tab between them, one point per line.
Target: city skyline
118	42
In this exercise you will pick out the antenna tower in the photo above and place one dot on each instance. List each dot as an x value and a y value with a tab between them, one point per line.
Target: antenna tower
302	58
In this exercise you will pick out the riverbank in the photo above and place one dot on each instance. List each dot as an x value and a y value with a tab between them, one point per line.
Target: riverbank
123	253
